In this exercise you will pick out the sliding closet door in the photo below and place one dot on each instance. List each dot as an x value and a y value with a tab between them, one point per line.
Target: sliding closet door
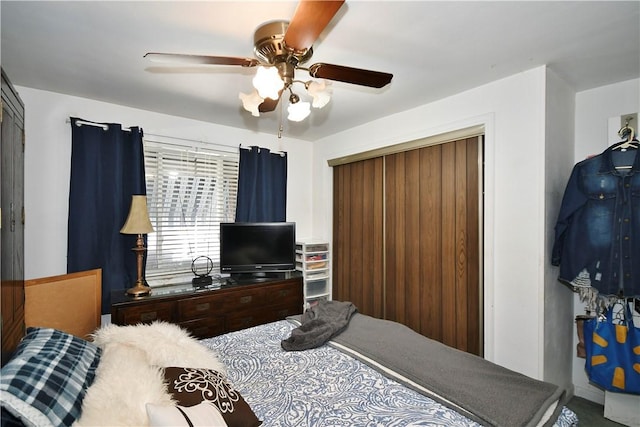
407	238
358	235
432	246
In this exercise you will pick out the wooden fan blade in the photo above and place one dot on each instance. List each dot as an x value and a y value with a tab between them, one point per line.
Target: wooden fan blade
309	19
179	58
268	105
355	76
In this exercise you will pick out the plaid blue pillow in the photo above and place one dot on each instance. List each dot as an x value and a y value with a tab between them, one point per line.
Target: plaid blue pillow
46	379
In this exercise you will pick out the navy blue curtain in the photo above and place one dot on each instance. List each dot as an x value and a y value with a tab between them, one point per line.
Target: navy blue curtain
107	168
262	186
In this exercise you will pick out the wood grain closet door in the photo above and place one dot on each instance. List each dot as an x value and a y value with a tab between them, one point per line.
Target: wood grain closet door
358	235
406	240
432	246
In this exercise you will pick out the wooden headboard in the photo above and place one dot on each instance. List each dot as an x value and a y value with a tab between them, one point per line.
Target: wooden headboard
69	302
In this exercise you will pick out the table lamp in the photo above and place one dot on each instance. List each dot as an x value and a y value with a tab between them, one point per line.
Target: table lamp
138	223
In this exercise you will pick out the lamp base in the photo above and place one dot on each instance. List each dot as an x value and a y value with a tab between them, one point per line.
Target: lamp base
140	289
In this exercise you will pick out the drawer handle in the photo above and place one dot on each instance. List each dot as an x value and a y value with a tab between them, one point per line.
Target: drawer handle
284	293
202	307
146	317
247	321
246	299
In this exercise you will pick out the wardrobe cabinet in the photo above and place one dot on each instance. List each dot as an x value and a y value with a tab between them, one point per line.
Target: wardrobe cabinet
12	217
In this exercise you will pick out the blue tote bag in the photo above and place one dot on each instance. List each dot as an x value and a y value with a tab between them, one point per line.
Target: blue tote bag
613	351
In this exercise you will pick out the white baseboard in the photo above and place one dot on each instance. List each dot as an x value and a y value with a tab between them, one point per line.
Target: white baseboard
622	408
592	394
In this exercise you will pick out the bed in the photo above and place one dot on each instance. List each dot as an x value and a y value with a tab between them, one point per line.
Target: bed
374	373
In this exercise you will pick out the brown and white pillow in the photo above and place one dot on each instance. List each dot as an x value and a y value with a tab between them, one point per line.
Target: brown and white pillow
201	415
192	386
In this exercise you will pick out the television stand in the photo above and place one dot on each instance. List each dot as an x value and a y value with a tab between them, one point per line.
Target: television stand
209	312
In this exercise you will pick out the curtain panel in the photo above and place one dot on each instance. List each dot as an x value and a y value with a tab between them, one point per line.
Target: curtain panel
107	168
262	186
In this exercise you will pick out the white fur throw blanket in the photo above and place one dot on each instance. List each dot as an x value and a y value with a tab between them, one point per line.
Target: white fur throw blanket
130	372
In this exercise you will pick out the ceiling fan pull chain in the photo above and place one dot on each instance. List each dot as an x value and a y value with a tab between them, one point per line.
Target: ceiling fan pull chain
280	127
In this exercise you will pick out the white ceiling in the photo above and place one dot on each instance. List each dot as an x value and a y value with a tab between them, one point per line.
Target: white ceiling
95	49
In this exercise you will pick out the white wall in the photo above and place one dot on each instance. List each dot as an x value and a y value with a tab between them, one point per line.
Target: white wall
557	304
594	108
48	159
513	112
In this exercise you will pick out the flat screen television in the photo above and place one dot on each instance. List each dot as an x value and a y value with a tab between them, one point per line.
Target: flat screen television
257	249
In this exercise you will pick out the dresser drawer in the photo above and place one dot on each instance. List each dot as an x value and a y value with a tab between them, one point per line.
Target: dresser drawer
281	312
145	313
204	306
247	299
205	328
247	319
288	293
199	308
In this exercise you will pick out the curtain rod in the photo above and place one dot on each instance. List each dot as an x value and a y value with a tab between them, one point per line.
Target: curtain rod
282	153
104	126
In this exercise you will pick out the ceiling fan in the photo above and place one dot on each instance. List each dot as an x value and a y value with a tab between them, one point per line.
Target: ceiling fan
281	47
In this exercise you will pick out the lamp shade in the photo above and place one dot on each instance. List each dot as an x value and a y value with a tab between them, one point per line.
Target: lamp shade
138	221
268	82
251	102
298	111
320	91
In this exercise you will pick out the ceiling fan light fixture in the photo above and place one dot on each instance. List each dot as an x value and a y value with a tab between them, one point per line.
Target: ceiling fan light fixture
268	82
320	91
280	48
298	111
251	102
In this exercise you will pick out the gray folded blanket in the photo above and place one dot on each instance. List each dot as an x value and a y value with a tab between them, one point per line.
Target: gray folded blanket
481	390
320	323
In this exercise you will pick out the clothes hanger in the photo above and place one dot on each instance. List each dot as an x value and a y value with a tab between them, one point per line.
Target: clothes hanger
629	133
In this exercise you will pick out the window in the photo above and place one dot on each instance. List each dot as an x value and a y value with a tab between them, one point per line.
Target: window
190	191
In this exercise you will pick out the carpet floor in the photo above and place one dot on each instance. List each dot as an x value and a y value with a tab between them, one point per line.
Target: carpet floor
590	414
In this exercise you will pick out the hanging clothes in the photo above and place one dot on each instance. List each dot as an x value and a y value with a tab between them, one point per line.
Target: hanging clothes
597	234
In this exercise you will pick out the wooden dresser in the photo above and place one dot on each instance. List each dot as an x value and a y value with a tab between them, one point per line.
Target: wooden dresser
210	312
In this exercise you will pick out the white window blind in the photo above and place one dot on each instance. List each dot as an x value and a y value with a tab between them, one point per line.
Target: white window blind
190	191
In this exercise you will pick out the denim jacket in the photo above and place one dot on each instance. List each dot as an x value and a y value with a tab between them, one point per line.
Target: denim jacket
597	235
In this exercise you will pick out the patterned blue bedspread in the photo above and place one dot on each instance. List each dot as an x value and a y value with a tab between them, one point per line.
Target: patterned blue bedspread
323	386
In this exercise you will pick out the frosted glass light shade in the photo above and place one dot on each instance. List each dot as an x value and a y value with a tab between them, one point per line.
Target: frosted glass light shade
299	111
320	91
268	82
251	102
